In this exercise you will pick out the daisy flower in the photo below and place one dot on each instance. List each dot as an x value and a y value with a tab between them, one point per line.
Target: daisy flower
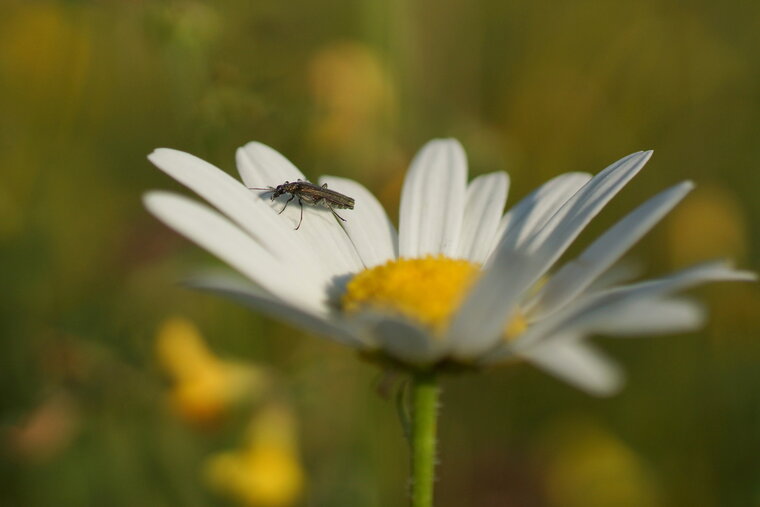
461	283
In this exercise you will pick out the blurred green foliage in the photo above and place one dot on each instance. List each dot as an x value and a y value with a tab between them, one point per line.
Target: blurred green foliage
89	88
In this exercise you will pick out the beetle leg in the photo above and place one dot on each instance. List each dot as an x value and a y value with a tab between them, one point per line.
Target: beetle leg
300	203
286	204
336	215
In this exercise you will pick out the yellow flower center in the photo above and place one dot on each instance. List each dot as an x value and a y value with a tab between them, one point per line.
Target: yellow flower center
428	289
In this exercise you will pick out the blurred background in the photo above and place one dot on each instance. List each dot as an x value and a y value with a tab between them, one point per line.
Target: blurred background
118	387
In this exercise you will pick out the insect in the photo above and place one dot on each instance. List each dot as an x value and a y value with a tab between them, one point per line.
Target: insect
310	193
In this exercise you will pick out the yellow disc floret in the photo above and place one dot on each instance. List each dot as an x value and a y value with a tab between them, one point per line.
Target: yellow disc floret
427	290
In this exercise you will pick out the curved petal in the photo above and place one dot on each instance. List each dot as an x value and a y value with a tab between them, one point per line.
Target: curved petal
432	200
533	211
368	226
486	196
234	200
261	166
478	324
254	297
401	338
648	317
213	232
480	321
565	225
622	272
580	364
575	276
593	309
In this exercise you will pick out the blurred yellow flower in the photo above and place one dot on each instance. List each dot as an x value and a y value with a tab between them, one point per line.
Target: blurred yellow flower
590	467
44	43
350	87
266	470
204	387
711	224
354	104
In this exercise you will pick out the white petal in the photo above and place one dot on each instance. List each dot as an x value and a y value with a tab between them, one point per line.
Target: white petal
234	200
320	233
219	236
368	226
533	211
401	338
715	271
432	200
479	323
254	297
577	275
579	364
583	316
565	225
622	272
486	196
648	317
261	166
513	269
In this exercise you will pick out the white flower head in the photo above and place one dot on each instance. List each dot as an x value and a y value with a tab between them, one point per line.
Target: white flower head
461	283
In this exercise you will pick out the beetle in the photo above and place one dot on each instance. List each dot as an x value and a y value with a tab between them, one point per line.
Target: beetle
310	194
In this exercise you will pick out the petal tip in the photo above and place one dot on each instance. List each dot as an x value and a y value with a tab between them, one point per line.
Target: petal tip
160	157
609	390
152	199
746	276
256	146
157	153
443	143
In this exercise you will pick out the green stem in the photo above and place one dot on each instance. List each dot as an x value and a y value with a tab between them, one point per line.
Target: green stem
425	393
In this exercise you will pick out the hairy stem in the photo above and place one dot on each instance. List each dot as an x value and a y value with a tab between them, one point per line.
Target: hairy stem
425	394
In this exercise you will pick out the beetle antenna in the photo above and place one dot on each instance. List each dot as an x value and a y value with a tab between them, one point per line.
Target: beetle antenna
260	188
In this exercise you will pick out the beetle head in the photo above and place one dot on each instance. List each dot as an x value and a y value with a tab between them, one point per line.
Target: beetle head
279	190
